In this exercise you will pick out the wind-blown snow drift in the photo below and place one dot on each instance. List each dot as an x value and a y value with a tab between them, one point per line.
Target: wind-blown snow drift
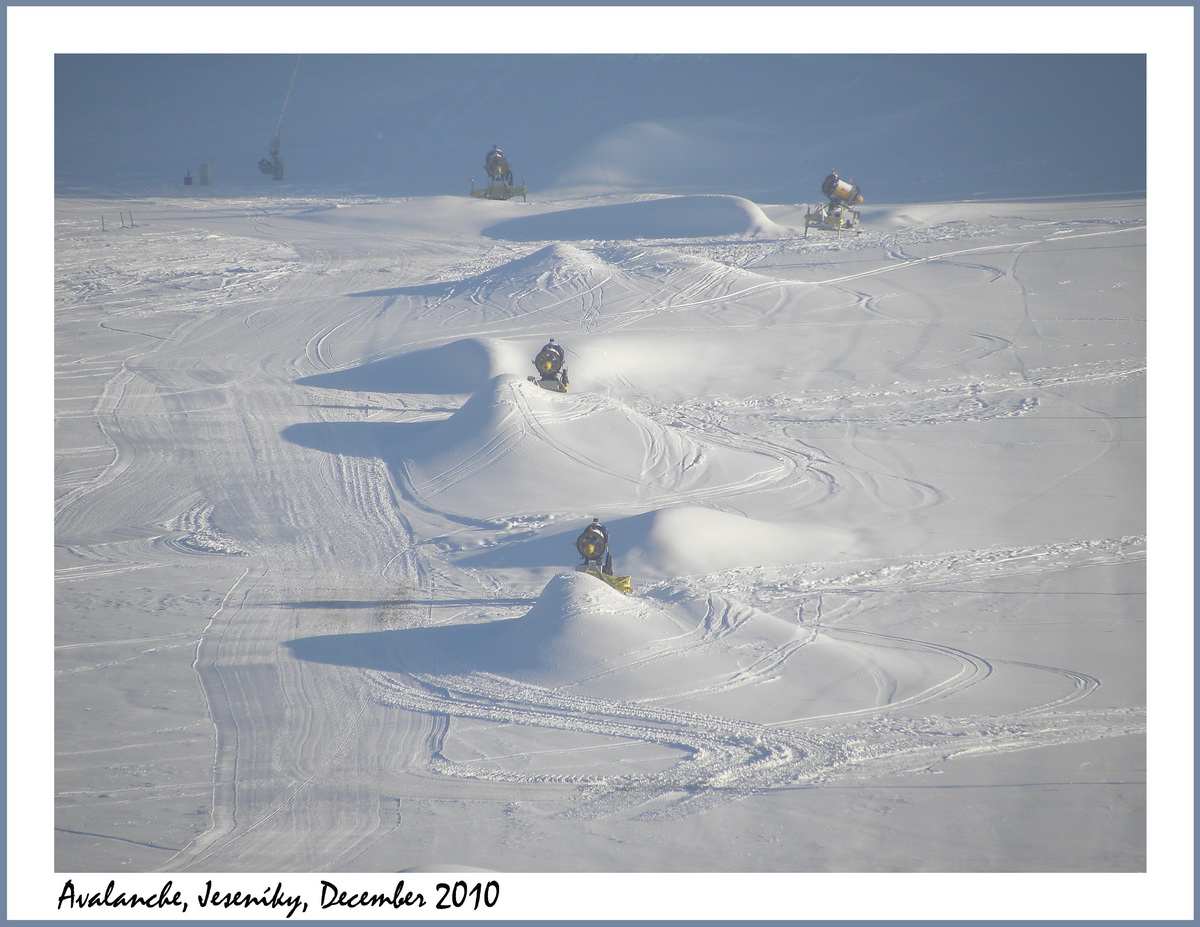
661	217
689	539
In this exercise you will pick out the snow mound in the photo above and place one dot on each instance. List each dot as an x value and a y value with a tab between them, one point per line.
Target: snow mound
690	539
409	216
577	626
515	448
585	640
552	265
553	268
662	217
583	637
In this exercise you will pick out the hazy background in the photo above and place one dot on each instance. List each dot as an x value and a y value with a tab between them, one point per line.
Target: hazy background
908	128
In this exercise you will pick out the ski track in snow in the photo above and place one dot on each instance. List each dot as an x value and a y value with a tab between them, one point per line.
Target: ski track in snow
724	759
162	378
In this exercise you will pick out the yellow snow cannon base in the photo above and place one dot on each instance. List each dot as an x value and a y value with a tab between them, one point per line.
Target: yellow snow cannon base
821	218
620	583
499	190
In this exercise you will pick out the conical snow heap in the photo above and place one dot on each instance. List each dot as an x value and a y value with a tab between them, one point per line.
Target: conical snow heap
516	448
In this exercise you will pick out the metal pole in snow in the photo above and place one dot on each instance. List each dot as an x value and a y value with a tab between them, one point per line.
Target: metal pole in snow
279	124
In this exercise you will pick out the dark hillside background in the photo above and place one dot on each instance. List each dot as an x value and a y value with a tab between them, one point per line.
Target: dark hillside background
908	128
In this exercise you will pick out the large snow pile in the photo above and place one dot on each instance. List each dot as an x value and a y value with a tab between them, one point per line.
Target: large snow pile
513	449
690	539
665	217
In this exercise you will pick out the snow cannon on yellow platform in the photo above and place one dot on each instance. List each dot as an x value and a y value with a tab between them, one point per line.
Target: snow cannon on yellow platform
592	545
500	178
839	213
496	165
549	362
844	192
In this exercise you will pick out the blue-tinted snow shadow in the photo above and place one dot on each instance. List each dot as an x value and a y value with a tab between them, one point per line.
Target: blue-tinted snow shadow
459	367
674	217
385	440
492	647
435	290
337	604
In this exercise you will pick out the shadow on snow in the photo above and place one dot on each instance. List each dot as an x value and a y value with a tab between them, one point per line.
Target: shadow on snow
491	647
458	367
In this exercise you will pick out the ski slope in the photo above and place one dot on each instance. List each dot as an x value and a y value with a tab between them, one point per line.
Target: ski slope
882	497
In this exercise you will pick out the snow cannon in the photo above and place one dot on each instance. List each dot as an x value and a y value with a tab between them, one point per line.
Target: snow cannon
592	545
841	192
839	213
552	375
500	178
496	165
272	166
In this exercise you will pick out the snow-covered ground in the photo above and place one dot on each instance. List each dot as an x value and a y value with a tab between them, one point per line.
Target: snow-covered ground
882	496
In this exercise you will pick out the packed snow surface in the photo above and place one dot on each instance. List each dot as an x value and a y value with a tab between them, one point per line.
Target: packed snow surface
881	497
